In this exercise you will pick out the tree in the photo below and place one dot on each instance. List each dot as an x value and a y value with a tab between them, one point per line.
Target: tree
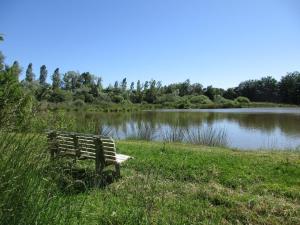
70	80
116	88
230	94
99	83
16	69
29	73
1	61
124	84
138	86
197	89
185	88
146	85
289	88
151	93
210	92
131	86
56	80
87	78
268	89
43	75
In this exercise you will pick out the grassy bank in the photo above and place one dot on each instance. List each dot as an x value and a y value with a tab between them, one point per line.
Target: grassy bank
182	184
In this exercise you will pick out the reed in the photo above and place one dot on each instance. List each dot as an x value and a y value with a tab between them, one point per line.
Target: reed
27	194
143	132
173	133
208	135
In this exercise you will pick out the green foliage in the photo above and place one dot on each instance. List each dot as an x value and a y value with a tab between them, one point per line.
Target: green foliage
78	103
221	100
15	105
58	95
43	75
1	61
56	80
200	99
29	74
289	88
242	100
28	194
117	98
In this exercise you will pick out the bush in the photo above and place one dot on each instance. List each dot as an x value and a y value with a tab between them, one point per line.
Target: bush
242	100
57	96
221	100
200	99
78	103
183	104
167	98
15	106
117	98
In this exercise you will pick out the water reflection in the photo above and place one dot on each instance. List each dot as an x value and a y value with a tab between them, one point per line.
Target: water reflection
246	128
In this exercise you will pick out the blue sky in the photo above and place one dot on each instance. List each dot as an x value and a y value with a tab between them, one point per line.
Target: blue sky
212	42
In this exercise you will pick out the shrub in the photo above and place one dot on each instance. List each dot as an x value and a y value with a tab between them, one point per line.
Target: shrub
15	105
221	100
200	99
117	98
78	103
183	104
242	100
167	98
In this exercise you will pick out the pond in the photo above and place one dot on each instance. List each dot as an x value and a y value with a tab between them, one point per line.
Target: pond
245	128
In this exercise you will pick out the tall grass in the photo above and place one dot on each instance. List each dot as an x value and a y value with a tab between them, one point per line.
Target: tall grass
27	194
143	132
173	133
206	136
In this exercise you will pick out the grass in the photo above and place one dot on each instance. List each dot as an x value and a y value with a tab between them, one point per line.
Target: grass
171	183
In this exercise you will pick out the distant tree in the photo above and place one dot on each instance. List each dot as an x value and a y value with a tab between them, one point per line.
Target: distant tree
289	88
94	90
56	80
210	92
116	88
138	87
87	78
151	93
230	94
29	73
43	75
268	89
16	69
185	88
99	83
124	84
197	89
1	61
248	89
131	86
146	85
70	80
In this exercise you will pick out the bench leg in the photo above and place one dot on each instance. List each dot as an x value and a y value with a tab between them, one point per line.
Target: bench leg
118	170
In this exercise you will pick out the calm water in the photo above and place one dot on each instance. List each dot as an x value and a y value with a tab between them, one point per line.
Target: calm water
247	128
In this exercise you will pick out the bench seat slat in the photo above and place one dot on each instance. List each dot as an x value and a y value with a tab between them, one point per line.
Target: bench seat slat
120	158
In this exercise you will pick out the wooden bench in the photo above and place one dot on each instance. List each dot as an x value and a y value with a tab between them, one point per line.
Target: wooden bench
102	149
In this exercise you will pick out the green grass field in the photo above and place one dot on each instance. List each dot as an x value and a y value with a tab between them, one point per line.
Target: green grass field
179	184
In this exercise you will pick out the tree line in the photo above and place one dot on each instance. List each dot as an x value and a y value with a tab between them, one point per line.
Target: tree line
86	87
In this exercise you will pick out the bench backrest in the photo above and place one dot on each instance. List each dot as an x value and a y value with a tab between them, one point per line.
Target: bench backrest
83	146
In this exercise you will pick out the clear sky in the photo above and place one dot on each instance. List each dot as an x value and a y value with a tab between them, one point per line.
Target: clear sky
211	42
